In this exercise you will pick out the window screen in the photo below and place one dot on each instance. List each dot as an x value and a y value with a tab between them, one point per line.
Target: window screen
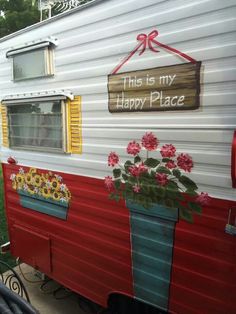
36	126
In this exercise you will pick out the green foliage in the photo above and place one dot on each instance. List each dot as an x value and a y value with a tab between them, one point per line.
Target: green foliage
3	226
17	14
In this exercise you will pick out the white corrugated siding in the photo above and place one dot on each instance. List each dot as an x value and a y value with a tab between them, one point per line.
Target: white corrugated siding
92	41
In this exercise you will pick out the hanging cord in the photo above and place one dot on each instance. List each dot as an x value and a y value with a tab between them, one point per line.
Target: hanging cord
67	292
43	287
22	274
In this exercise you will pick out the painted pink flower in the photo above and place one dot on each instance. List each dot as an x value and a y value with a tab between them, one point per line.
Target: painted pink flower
133	148
113	159
203	198
185	162
171	164
161	178
168	151
136	188
149	141
109	182
137	170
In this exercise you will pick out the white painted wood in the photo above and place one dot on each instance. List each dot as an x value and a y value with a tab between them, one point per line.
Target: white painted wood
94	39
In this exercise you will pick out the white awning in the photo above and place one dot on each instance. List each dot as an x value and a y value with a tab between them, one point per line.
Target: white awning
42	43
37	97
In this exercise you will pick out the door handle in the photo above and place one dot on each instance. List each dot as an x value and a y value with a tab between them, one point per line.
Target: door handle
233	161
230	227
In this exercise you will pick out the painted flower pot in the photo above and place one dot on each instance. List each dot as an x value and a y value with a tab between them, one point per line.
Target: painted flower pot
152	237
40	204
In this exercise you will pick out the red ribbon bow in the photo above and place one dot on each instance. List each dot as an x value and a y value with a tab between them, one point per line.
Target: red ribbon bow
149	40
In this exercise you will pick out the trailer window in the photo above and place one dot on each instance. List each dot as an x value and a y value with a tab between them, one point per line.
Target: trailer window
36	126
33	64
33	60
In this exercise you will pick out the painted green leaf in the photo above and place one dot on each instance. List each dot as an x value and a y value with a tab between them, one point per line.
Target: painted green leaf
186	215
117	184
163	169
188	183
137	159
176	173
195	207
116	173
151	162
166	159
127	164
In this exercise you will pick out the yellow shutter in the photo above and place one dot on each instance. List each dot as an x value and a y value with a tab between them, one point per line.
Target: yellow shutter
5	140
74	126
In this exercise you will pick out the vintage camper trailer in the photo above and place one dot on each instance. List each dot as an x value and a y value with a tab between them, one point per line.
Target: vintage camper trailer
84	84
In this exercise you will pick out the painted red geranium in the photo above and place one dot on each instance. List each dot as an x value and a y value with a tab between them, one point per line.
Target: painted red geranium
113	159
158	178
185	162
168	150
133	148
203	199
137	170
162	178
171	164
109	182
136	188
149	141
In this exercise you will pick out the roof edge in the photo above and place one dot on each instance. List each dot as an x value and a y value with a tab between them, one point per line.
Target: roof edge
52	19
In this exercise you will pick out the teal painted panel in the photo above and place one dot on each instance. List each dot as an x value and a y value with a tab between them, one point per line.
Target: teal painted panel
155	228
152	247
41	205
155	211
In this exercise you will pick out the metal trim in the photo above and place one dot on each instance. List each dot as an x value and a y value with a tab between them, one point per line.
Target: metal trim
32	46
37	97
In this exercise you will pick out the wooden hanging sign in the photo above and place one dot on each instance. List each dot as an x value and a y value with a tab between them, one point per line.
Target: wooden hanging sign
175	87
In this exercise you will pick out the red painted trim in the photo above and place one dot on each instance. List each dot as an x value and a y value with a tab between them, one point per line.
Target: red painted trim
149	40
233	161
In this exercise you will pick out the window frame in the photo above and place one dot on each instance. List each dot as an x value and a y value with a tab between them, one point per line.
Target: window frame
48	55
64	115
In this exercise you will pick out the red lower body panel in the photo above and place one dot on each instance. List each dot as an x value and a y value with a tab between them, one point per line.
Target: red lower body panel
90	251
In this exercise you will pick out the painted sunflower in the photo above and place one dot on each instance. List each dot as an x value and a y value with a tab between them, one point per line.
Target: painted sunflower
37	180
31	189
55	184
28	178
19	179
46	193
32	170
56	196
68	194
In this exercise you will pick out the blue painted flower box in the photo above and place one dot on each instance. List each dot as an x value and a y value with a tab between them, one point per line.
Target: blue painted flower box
152	238
46	206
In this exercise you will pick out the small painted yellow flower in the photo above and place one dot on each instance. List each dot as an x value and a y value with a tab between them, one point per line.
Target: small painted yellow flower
55	184
37	180
28	178
68	194
31	190
45	193
32	170
20	179
56	196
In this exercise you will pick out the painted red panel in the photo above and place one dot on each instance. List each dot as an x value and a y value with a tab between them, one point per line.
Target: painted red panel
33	247
204	264
91	252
